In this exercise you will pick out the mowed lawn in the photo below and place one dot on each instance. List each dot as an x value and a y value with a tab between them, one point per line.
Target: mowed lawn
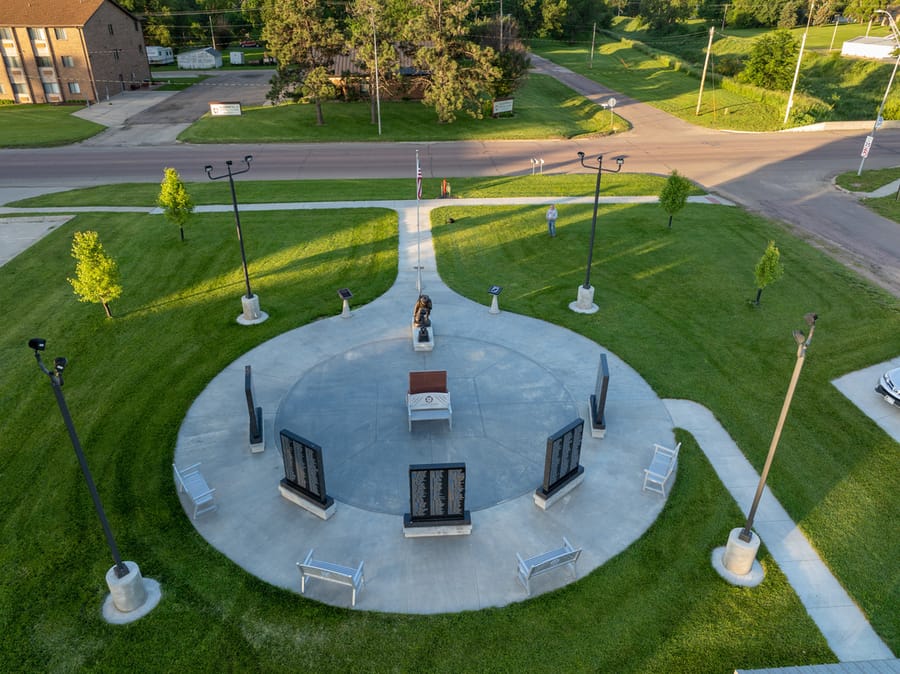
673	305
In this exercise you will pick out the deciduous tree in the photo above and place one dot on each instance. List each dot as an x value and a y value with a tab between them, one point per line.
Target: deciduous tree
768	270
674	194
771	61
96	273
174	200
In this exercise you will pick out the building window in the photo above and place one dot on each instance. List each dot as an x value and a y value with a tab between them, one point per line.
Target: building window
12	61
51	87
19	88
43	61
137	25
68	62
5	34
60	33
36	34
74	88
109	28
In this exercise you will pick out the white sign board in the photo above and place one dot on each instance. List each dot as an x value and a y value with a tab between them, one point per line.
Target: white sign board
503	105
221	109
867	146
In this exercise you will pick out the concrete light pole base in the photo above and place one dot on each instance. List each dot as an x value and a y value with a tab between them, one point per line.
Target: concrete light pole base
736	562
252	315
131	597
585	302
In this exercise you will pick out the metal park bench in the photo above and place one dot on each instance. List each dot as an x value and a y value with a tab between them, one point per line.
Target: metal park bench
191	481
334	573
661	468
539	564
428	398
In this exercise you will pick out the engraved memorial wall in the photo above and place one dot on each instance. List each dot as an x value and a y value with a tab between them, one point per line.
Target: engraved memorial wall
437	495
563	456
304	470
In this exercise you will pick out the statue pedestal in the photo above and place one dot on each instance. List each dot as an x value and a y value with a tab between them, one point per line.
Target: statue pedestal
422	346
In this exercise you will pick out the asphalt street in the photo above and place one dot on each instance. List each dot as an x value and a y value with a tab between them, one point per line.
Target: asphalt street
786	176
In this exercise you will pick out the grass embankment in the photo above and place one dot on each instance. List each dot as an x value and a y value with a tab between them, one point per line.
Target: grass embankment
43	126
673	305
664	71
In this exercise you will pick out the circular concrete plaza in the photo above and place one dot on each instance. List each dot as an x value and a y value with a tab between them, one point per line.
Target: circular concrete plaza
341	383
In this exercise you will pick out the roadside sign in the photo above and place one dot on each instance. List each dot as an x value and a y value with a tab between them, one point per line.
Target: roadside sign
867	146
879	122
611	103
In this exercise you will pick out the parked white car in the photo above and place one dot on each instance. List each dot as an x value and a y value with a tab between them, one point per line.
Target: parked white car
889	386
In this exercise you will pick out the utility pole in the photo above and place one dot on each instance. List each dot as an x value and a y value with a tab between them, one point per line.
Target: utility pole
712	31
593	38
787	112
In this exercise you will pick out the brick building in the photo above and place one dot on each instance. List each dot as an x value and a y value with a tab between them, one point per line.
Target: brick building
69	50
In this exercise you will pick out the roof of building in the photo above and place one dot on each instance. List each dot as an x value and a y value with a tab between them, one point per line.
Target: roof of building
52	13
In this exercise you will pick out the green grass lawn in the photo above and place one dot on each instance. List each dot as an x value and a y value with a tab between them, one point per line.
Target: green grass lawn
869	181
544	108
673	305
43	126
286	191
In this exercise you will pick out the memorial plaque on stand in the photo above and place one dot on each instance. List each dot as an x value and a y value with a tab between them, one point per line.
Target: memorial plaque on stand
304	475
257	443
562	470
437	500
597	403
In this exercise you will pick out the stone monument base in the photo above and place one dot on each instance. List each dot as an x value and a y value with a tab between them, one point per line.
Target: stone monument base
544	501
422	346
598	426
460	527
316	509
259	445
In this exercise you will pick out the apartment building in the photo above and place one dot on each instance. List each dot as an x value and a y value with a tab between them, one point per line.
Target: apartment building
69	50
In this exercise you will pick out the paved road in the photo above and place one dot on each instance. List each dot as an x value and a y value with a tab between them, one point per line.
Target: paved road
781	175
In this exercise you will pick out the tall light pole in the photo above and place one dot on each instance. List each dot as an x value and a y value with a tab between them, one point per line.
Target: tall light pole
249	302
585	302
790	104
126	585
740	553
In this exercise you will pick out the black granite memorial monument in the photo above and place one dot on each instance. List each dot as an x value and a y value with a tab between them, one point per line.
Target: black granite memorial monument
597	403
437	495
561	465
256	415
304	471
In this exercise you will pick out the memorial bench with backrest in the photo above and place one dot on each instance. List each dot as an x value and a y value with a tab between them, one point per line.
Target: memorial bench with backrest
334	573
428	398
662	465
191	481
527	569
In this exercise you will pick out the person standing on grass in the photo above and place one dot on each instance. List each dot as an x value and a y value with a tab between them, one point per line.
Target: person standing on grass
552	215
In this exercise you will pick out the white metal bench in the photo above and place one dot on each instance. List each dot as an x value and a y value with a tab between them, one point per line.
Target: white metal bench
191	481
427	397
535	566
335	573
661	468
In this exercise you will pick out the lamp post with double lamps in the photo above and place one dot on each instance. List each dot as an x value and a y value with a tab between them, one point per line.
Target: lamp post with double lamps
584	304
130	597
739	556
250	302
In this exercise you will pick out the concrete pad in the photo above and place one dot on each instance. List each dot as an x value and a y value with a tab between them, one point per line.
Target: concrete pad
859	387
18	234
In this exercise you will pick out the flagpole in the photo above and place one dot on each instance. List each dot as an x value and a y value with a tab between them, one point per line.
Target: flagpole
418	236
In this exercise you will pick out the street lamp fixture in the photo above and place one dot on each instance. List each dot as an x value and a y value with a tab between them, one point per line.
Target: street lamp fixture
128	593
250	302
740	552
585	302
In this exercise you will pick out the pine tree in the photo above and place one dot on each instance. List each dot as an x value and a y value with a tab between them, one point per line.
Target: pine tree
96	273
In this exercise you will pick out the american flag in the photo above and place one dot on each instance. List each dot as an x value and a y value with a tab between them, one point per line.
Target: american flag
418	179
